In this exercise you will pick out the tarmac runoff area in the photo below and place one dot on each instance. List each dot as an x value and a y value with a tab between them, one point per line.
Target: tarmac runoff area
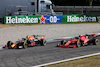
51	31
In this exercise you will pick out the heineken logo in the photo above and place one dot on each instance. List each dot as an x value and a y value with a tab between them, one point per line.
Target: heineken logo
98	19
51	19
26	19
42	19
80	19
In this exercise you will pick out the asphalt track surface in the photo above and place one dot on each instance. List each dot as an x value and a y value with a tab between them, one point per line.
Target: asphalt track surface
43	54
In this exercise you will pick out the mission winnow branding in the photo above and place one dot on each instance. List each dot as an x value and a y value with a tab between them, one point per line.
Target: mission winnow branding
51	19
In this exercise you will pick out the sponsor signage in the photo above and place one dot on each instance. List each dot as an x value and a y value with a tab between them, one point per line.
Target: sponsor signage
98	18
83	18
21	19
42	19
33	19
53	18
50	19
80	18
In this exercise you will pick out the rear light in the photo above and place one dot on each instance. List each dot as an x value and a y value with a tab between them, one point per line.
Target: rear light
6	46
85	41
94	36
42	37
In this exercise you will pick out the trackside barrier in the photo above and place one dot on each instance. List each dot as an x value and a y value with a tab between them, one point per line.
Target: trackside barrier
33	19
50	19
21	19
80	18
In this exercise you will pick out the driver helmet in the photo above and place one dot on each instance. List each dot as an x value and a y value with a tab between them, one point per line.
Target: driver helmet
27	36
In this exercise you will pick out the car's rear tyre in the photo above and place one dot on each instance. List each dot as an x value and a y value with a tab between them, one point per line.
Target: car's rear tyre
63	42
82	43
17	46
9	43
95	41
78	44
24	45
43	42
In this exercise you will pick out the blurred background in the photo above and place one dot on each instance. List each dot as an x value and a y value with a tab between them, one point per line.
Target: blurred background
86	7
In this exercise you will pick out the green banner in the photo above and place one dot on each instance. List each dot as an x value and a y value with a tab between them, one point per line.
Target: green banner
21	19
51	19
80	18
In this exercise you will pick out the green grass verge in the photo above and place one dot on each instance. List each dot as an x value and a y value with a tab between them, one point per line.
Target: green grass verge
93	61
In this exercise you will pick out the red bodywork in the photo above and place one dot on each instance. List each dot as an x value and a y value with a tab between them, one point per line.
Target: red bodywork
84	38
72	42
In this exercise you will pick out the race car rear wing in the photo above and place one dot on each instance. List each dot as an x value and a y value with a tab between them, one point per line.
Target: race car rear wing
42	36
38	35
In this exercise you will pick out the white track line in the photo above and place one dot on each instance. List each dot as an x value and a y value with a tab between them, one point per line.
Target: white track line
67	60
1	48
70	58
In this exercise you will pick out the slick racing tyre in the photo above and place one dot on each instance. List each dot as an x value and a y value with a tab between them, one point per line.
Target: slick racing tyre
24	45
63	42
18	46
82	43
9	43
78	44
95	41
43	42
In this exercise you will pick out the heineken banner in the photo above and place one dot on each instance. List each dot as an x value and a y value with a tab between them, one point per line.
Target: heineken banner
80	18
51	19
21	19
33	19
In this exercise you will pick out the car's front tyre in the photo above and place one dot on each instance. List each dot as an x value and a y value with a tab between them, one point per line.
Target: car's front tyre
9	43
95	41
78	44
43	42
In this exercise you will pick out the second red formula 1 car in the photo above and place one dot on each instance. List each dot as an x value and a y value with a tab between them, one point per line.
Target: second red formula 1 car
26	42
81	40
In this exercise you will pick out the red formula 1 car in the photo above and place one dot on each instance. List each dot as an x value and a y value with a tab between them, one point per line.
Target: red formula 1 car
26	42
81	40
